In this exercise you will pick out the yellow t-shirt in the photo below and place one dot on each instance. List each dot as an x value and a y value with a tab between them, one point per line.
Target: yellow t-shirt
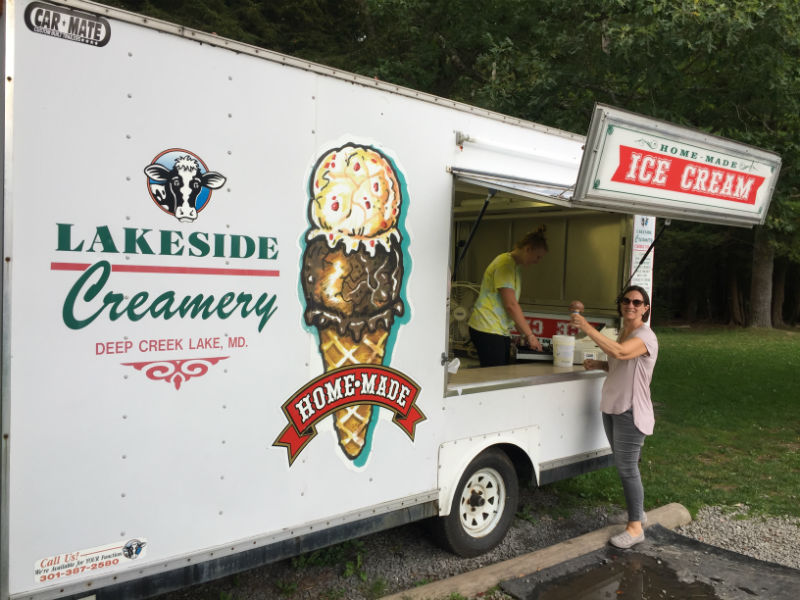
488	314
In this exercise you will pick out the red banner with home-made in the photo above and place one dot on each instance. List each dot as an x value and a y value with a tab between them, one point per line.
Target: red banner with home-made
715	179
349	386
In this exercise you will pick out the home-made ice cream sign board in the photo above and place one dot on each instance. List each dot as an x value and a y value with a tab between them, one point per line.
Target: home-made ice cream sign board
633	163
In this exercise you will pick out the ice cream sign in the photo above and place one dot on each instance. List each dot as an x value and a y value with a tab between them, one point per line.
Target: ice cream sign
633	163
352	285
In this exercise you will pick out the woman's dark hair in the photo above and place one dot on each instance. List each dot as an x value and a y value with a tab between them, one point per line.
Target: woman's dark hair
645	297
534	239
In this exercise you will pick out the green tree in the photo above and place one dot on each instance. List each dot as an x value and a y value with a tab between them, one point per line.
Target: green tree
325	31
731	67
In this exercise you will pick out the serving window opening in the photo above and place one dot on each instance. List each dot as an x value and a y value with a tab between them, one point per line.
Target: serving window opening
586	260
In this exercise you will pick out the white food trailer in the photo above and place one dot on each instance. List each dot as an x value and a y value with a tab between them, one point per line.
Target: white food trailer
226	273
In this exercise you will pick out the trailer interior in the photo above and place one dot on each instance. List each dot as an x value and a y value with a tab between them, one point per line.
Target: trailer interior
588	259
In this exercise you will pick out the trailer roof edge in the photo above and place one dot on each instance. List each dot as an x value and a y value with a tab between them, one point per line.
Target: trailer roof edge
277	57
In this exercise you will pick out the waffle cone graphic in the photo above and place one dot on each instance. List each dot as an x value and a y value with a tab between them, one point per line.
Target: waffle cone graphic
352	422
353	269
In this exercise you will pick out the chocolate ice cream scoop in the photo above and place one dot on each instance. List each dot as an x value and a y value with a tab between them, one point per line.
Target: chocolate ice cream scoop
351	290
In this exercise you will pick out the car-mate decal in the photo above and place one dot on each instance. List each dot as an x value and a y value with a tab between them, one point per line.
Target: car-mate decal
343	392
67	24
352	280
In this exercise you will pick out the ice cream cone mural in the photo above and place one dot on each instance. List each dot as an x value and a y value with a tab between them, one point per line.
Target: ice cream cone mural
352	278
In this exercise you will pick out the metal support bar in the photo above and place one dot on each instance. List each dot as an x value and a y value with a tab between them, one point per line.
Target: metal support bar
646	254
477	222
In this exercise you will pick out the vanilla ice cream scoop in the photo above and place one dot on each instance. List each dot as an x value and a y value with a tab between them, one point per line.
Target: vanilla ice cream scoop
355	198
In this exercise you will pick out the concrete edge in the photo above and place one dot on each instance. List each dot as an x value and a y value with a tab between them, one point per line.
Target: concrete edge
474	582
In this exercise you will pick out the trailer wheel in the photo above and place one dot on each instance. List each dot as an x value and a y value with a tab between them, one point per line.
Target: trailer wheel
483	506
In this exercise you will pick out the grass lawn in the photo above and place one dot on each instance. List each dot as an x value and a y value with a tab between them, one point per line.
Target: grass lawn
727	429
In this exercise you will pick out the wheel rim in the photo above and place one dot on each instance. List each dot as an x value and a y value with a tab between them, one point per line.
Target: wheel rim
482	502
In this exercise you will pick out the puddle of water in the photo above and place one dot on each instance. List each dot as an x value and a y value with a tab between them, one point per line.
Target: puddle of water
629	576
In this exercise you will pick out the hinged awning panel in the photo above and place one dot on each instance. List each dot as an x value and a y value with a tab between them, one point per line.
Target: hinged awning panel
542	191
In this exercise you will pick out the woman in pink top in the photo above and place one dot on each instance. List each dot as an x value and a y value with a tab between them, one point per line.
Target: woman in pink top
626	407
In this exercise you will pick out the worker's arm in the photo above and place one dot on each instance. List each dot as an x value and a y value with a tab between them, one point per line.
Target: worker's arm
514	311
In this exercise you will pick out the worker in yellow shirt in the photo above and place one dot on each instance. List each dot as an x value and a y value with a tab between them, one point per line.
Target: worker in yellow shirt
497	308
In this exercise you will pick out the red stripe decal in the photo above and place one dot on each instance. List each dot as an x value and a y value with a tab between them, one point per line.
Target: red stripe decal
58	266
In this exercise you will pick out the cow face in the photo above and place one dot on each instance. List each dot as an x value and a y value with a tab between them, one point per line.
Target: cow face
178	188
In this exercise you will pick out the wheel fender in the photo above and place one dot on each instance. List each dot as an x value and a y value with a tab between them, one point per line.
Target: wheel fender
455	456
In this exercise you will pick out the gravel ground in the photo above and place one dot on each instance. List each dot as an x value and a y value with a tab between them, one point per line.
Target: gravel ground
773	539
405	557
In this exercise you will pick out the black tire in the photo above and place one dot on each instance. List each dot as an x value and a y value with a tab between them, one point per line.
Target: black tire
483	508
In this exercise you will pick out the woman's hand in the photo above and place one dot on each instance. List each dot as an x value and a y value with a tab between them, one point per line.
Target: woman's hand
591	365
578	320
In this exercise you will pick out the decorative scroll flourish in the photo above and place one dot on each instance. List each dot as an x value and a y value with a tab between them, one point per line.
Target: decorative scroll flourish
178	371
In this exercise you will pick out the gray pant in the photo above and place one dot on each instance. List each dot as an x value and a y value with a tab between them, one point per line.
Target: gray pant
626	444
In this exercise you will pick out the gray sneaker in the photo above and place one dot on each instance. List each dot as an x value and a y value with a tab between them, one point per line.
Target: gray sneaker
626	540
622	519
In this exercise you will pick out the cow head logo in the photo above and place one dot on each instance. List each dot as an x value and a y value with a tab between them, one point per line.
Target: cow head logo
181	184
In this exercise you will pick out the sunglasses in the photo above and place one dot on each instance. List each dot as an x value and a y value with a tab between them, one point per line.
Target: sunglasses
637	303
